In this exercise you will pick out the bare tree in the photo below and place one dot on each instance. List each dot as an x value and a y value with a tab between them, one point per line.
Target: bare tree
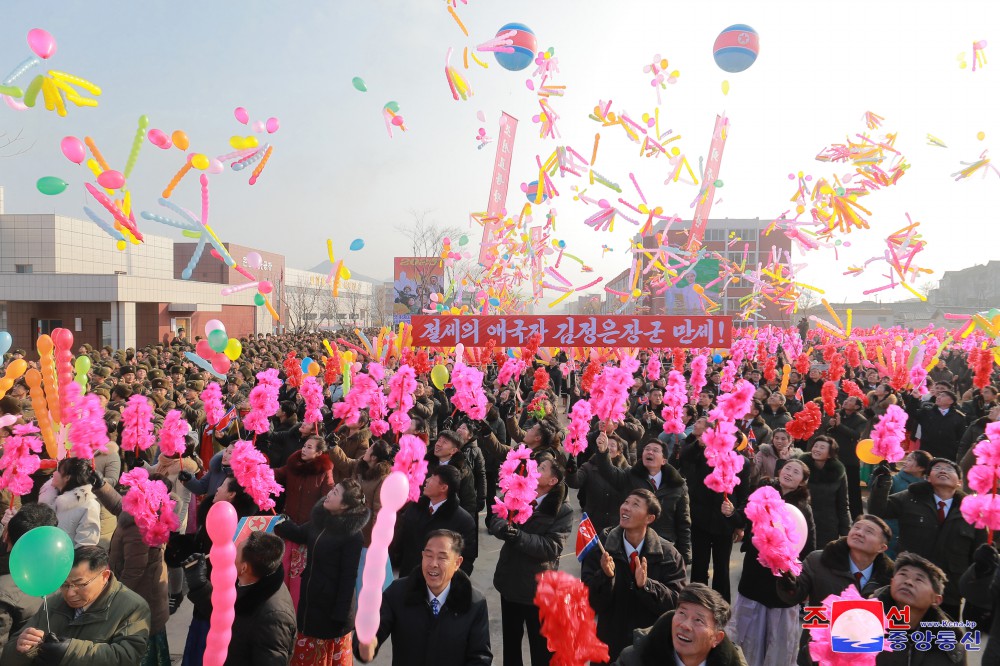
357	301
302	303
807	300
427	236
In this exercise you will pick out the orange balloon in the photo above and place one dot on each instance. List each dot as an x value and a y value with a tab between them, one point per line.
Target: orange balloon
16	368
44	345
33	379
865	453
180	139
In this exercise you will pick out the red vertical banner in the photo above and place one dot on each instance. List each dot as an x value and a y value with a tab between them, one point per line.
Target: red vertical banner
711	174
498	186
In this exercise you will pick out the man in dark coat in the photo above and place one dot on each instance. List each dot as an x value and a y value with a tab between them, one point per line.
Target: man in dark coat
941	424
931	523
477	462
528	550
915	594
264	628
846	427
447	450
692	634
16	606
434	615
654	473
437	509
635	577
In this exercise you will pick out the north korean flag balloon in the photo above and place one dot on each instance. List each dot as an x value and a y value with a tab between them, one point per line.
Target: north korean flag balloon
736	48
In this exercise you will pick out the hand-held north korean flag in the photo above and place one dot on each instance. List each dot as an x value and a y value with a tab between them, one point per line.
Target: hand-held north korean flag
586	537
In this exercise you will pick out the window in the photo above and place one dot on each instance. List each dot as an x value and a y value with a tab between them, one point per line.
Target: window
23	268
46	326
104	326
715	235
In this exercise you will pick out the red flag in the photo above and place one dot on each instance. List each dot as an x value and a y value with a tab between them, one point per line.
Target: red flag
586	537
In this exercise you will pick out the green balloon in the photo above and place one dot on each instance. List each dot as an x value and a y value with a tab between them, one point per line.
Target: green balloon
258	299
359	84
51	185
41	560
217	340
392	106
82	365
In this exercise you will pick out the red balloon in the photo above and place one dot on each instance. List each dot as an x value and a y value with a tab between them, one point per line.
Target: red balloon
62	338
203	350
221	364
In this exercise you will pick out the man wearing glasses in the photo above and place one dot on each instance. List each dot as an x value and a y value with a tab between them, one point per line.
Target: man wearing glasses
93	620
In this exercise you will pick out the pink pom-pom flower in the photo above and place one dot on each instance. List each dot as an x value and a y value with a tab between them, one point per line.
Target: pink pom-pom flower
312	394
173	434
579	425
889	433
19	461
214	408
699	367
410	460
774	531
653	367
674	399
609	393
88	432
511	370
469	396
151	506
137	417
401	388
254	474
263	402
518	484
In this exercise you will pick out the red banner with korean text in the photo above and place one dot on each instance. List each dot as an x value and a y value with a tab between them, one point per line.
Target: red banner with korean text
710	175
498	186
573	331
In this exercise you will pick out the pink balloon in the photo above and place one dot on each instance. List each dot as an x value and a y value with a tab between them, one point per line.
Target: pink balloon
159	139
73	149
254	260
258	126
397	121
265	287
241	115
481	116
272	125
62	338
393	494
203	349
42	43
215	166
111	179
220	363
221	525
213	325
801	528
7	420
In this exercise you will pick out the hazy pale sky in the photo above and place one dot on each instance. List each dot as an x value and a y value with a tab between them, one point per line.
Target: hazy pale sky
336	173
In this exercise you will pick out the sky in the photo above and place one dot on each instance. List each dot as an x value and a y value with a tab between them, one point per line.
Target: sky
335	172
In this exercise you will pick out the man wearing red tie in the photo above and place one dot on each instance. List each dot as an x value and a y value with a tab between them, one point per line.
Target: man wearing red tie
636	575
930	522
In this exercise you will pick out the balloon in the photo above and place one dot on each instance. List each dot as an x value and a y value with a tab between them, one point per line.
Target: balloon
531	193
717	358
62	338
865	454
16	368
215	166
200	162
265	287
258	126
357	244
393	494
82	366
180	139
8	420
202	348
736	48
221	525
258	299
313	369
725	87
159	139
359	84
392	106
241	115
41	560
463	240
51	185
439	375
801	528
272	125
254	260
221	364
233	349
42	44
5	342
73	149
524	45
111	179
214	325
306	362
218	340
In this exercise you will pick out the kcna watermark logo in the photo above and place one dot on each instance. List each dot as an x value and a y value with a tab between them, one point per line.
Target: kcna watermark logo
861	626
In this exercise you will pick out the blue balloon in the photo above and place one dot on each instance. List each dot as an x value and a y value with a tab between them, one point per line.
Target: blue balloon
357	244
717	358
306	362
524	47
736	48
5	342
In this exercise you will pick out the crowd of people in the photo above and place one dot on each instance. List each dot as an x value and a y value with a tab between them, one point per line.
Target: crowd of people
659	580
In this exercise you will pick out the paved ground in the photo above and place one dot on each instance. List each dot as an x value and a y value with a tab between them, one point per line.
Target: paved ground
482	578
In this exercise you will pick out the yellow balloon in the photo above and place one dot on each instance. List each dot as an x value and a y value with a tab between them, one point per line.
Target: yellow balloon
237	142
439	375
725	87
348	356
865	453
233	349
200	162
345	272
